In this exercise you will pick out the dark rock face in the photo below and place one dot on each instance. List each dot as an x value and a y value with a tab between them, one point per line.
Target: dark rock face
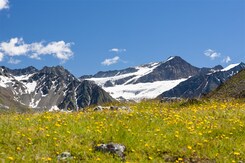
206	70
84	94
4	71
173	69
24	71
102	74
218	67
54	86
113	73
201	84
85	77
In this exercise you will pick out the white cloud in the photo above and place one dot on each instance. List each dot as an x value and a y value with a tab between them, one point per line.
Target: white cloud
14	61
14	47
117	50
227	59
1	56
110	61
4	4
211	54
60	50
17	47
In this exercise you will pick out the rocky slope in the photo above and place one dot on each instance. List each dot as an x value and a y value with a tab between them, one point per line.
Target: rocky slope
50	88
203	83
232	88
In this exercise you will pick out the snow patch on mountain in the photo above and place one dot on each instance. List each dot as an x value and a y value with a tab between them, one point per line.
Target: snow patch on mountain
141	91
33	103
230	67
31	87
5	81
135	91
170	58
23	77
142	70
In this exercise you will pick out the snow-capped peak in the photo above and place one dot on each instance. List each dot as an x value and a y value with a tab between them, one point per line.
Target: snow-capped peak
146	81
230	67
50	87
170	58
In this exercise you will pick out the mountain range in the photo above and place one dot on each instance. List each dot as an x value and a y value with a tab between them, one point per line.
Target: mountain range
50	88
171	78
55	88
203	83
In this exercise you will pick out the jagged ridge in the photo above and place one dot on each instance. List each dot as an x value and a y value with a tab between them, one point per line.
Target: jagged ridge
51	87
203	83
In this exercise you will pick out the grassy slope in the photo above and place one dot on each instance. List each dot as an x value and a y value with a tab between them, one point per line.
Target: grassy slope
232	88
152	132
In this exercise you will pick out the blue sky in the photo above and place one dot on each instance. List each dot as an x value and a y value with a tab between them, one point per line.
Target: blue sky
87	36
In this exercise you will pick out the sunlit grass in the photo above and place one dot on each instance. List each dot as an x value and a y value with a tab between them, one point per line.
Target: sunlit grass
213	131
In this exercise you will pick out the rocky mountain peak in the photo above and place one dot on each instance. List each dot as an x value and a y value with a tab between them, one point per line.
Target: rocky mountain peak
26	71
218	67
55	70
176	60
19	72
173	58
172	69
2	70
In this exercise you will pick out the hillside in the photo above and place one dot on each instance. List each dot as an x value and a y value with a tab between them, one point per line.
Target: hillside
232	88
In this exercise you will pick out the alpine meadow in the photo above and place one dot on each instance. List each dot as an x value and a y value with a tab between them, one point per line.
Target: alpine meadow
110	81
209	131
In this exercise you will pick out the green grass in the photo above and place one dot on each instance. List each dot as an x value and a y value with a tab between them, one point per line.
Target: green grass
152	132
232	88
